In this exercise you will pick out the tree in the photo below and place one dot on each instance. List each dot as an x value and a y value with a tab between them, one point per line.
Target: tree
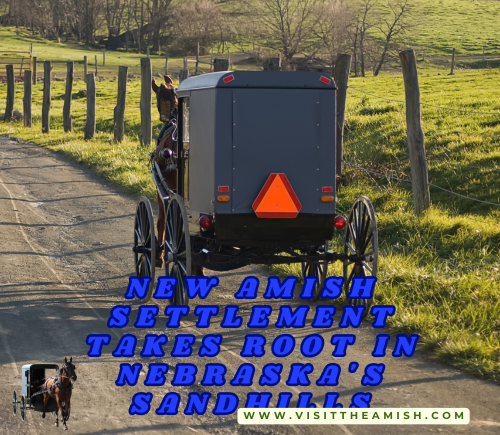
393	28
287	26
332	28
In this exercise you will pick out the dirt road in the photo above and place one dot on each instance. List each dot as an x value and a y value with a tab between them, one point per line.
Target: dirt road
65	258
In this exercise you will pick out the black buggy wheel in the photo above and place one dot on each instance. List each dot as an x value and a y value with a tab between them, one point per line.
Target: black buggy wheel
316	269
14	402
23	408
145	243
361	239
177	254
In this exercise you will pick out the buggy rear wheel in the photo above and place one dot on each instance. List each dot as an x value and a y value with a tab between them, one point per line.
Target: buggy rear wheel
145	243
361	239
177	253
23	407
14	402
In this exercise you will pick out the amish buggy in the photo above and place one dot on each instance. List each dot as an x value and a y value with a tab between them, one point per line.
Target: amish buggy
44	393
245	174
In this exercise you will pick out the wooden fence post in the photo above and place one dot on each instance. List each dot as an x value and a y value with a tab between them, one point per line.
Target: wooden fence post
183	75
212	58
91	97
103	57
85	66
34	69
197	57
221	64
414	133
146	118
119	118
11	93
67	119
147	52
47	69
96	65
452	63
166	64
341	73
27	98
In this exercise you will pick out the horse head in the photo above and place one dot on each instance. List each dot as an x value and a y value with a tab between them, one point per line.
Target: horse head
166	99
69	369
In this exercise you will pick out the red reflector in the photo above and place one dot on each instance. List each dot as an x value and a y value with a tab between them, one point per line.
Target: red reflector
339	222
325	80
228	79
327	189
223	189
206	222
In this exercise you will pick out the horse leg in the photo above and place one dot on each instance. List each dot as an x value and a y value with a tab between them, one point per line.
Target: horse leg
160	229
57	417
45	400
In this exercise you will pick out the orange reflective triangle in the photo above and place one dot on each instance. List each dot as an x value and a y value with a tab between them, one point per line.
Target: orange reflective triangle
277	199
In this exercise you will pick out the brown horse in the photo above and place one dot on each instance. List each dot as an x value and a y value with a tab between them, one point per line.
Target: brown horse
167	104
59	388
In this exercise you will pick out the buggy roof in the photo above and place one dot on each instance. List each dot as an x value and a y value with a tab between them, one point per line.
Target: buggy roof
259	79
40	366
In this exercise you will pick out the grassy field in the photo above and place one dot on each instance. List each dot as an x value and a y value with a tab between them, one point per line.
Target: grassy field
466	25
441	270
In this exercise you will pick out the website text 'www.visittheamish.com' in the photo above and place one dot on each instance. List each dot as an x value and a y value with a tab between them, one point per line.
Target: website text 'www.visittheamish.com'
352	416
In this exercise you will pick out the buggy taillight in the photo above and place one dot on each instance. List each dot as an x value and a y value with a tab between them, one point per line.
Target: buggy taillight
206	222
339	222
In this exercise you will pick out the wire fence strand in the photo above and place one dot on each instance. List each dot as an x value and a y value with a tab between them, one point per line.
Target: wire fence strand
426	104
407	180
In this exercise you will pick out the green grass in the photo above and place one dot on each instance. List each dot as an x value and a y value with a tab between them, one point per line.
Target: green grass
466	25
441	270
21	40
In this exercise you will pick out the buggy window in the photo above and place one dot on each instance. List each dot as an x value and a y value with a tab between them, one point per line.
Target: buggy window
185	120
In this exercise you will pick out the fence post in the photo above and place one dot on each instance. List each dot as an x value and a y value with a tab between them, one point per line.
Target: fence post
212	58
85	66
47	68
119	118
414	133
197	57
103	57
34	69
221	64
341	73
91	97
27	98
183	75
11	93
147	51
452	63
96	65
166	64
67	119
146	118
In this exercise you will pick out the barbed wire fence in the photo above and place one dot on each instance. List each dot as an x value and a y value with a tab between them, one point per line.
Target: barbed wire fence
388	176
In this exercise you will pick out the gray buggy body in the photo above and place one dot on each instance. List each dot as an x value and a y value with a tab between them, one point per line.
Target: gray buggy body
238	128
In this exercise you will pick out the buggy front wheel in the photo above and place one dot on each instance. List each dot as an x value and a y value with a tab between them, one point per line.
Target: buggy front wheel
177	253
316	269
145	243
361	240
